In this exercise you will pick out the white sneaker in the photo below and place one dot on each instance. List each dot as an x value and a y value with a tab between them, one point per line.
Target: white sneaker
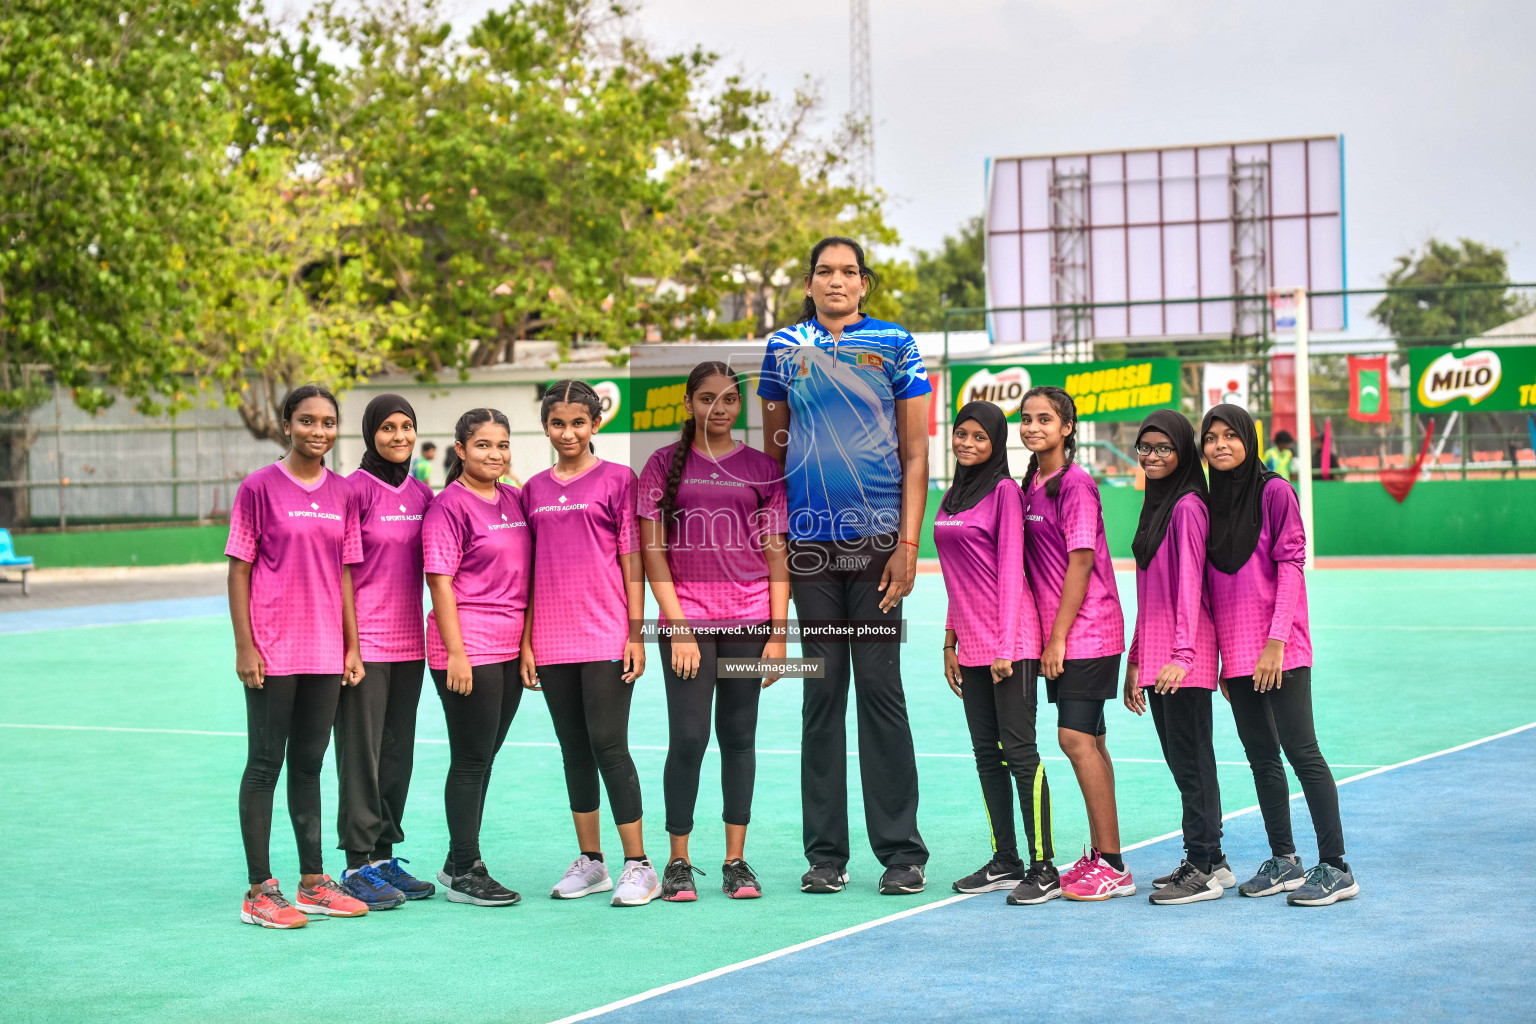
583	877
638	884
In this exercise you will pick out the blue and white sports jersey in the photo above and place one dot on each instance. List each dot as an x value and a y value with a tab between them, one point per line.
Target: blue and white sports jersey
841	470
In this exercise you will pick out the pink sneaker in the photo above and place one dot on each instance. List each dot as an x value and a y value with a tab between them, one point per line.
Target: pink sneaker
1101	882
1085	864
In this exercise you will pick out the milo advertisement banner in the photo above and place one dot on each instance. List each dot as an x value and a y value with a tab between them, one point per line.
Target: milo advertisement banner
1113	391
1499	379
642	403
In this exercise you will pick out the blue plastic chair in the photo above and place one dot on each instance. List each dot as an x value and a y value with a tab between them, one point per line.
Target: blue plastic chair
9	559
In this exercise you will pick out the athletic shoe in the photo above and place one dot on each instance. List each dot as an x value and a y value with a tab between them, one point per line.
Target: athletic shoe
271	909
1278	874
638	884
902	880
368	886
1001	872
584	877
677	884
1324	886
824	877
413	888
1041	884
477	888
1085	864
1188	885
330	899
738	882
1221	871
1101	883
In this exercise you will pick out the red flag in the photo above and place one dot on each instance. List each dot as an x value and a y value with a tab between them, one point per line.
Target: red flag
1399	482
933	406
1327	445
1368	389
1282	395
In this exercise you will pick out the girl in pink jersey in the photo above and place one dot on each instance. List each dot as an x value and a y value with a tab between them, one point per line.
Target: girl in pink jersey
475	550
1172	664
293	537
992	652
1256	555
376	719
585	651
1073	582
712	521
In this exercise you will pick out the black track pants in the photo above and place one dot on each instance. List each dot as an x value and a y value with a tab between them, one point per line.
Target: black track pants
1001	719
1183	720
375	751
290	719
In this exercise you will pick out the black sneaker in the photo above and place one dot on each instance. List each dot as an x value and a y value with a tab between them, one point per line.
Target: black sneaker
1041	884
738	882
477	887
1188	884
902	880
677	882
1221	871
1276	875
1001	872
824	877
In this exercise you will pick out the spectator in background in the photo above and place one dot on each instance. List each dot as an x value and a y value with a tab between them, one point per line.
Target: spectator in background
421	469
1279	456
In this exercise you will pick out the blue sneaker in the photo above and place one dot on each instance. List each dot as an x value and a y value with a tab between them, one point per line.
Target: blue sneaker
1276	875
368	886
1325	885
412	887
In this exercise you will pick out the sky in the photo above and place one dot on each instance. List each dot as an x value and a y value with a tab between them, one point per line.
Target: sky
1435	99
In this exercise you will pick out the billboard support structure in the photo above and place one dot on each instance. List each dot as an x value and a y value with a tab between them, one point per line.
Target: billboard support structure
1248	181
1069	255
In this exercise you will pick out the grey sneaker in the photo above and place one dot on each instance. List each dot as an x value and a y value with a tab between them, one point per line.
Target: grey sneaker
1188	885
1278	874
1324	886
1221	871
584	877
638	884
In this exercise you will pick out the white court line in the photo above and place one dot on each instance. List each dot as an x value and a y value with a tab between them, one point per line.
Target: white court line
811	943
633	746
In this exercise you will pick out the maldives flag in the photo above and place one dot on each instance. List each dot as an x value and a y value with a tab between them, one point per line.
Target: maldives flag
1368	389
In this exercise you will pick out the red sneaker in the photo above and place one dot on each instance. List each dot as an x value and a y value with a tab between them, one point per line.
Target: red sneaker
271	909
330	899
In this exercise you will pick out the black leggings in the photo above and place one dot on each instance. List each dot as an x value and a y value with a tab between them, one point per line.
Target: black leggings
1282	720
292	716
375	752
477	725
589	704
1001	718
1183	720
688	706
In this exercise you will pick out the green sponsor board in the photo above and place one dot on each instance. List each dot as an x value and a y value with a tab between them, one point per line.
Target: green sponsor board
1491	379
1111	391
642	403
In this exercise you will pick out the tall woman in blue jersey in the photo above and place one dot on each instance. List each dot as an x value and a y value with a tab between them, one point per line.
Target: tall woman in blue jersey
845	412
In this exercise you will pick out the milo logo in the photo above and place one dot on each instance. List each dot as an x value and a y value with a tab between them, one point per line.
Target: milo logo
608	393
1004	389
1451	376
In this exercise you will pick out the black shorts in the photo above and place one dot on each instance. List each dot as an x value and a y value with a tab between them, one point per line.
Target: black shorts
1085	679
1085	716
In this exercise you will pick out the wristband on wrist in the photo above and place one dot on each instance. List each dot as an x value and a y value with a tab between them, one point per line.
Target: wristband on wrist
912	542
949	647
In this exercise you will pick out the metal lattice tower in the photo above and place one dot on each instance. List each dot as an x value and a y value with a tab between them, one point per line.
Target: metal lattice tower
861	95
1248	183
1069	256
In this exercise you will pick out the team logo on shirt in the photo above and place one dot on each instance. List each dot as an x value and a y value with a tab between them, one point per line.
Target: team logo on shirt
505	524
562	507
313	512
805	367
406	518
871	359
949	522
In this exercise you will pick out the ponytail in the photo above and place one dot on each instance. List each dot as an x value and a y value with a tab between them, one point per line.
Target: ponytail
463	430
1067	410
577	392
689	431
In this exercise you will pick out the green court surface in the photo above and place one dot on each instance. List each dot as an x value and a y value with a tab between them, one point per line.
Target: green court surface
123	867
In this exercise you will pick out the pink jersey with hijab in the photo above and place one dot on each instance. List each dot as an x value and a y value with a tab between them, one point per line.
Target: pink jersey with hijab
981	554
1173	610
1267	598
387	584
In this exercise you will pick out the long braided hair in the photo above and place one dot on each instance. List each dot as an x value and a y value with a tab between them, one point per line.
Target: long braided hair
690	430
577	392
1067	410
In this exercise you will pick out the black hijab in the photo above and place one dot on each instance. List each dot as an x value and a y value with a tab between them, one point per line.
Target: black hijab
380	409
974	483
1162	495
1237	496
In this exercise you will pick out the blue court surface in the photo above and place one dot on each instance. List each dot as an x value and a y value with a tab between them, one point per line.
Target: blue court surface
1435	934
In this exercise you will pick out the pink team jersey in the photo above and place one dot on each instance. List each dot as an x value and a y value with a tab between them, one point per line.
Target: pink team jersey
1173	611
297	538
1072	521
715	548
387	585
580	528
1267	598
981	554
485	546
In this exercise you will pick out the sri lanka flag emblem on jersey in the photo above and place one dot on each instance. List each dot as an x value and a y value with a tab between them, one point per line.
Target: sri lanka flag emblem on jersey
871	359
805	367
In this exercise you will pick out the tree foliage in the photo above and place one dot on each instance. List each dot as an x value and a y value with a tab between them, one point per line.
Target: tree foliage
1432	312
951	275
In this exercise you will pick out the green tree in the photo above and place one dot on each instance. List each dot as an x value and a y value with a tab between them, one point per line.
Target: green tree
1431	312
950	275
